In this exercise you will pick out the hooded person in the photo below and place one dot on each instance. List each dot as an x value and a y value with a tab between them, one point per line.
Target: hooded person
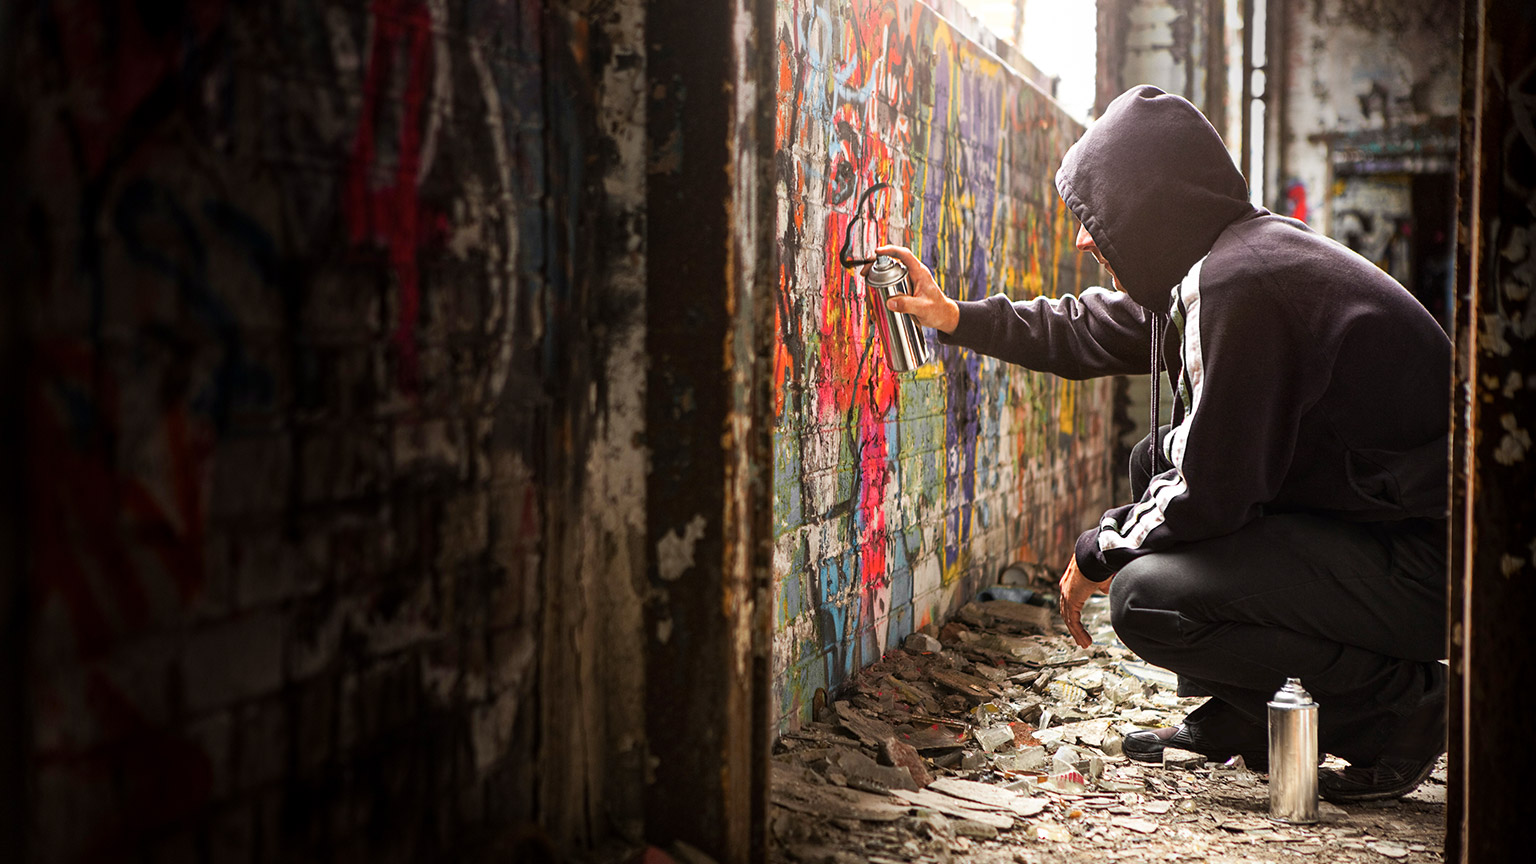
1290	520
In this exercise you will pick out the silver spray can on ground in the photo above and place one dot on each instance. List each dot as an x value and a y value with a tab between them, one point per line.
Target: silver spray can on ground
1293	755
905	347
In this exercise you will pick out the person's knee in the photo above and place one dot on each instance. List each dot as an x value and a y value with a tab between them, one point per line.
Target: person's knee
1143	606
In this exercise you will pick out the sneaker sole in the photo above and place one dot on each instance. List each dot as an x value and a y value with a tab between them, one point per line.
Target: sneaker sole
1378	794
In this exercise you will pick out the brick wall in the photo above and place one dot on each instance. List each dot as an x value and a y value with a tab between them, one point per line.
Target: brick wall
330	333
897	496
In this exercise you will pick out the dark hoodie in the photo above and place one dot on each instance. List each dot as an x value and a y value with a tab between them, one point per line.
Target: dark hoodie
1307	379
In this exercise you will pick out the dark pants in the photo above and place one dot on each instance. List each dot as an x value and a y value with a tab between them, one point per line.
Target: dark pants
1355	610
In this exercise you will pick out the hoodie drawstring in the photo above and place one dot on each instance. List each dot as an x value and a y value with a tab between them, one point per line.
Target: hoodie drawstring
1158	324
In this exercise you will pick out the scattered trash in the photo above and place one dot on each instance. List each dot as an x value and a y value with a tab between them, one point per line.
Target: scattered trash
992	737
952	806
1026	650
1150	674
862	772
922	643
1067	781
988	795
1067	759
1006	592
1028	759
1026	573
904	755
1185	759
1140	826
1037	618
974	829
1023	735
994	728
1113	743
1087	678
1049	832
1067	692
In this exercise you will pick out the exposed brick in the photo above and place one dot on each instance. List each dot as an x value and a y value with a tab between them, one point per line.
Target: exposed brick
268	570
342	464
885	481
74	806
299	400
237	660
261	742
312	711
232	834
463	531
213	735
251	476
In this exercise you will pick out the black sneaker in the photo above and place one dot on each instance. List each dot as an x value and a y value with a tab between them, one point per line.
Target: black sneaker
1408	760
1147	745
1388	778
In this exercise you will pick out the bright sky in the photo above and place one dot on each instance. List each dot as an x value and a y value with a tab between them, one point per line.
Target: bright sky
1058	37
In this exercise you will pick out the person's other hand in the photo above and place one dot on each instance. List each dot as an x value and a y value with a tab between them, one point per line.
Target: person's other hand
1074	590
926	303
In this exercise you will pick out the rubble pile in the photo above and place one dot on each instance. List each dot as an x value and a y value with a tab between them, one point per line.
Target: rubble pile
995	738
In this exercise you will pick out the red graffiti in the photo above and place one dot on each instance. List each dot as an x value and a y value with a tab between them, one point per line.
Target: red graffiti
857	388
1296	195
114	53
108	539
390	213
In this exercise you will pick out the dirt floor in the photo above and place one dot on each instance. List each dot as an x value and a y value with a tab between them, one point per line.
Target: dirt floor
998	740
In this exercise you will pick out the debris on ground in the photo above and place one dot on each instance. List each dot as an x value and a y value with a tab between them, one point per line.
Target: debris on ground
995	738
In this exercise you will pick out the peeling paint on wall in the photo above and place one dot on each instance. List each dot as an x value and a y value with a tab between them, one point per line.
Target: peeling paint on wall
897	496
1363	67
674	554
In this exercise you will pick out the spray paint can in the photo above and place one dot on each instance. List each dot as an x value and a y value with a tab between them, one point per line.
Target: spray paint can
905	347
1293	755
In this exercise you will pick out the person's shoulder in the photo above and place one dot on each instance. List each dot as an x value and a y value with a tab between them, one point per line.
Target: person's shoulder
1275	239
1286	254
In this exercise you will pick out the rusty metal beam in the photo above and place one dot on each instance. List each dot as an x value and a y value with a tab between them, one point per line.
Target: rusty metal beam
1245	116
1113	21
1493	520
708	244
1215	65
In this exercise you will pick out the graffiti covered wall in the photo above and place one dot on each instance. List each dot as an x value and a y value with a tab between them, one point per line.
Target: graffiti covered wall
331	483
897	496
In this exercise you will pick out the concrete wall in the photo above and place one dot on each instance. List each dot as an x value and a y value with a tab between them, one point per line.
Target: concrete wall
897	496
1361	80
330	326
1188	47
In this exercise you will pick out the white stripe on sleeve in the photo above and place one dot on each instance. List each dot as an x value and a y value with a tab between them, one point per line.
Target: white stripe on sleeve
1151	510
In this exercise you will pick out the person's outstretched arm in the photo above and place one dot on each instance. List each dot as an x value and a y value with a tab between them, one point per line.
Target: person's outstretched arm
1100	332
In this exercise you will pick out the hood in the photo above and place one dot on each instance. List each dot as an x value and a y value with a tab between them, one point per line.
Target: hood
1154	186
